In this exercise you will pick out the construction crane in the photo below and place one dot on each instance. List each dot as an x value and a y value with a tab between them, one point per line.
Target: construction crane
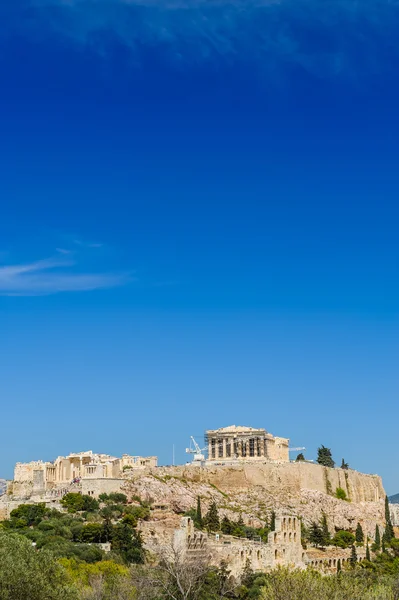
296	449
198	452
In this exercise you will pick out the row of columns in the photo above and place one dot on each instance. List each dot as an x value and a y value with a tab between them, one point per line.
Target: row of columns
242	448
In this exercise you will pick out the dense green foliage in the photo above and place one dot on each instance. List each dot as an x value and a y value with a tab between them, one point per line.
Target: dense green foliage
324	457
26	574
77	532
46	554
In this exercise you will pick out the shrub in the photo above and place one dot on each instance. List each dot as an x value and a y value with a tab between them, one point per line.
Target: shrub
340	494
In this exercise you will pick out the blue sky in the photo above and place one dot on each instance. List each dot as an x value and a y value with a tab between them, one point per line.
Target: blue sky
198	226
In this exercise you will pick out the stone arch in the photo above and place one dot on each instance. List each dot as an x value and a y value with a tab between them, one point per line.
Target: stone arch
330	563
335	562
284	523
242	554
258	554
295	537
290	537
276	554
285	536
275	537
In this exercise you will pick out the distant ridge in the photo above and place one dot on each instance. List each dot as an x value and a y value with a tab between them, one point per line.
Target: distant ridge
394	499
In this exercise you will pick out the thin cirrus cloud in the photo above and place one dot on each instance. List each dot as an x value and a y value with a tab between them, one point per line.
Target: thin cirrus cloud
339	37
52	276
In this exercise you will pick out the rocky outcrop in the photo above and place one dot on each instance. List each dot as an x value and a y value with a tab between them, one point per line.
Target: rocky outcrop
302	489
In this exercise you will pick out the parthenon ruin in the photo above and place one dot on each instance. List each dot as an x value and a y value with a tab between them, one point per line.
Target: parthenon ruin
245	443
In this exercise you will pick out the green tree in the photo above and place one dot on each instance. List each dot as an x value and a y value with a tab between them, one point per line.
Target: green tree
126	541
26	574
353	557
212	518
377	540
75	502
325	531
32	514
343	539
359	535
92	533
368	552
344	465
316	535
117	498
273	521
198	514
389	532
324	457
226	526
300	457
107	530
339	568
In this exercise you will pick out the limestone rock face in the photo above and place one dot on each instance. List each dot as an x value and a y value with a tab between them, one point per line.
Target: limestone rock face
302	489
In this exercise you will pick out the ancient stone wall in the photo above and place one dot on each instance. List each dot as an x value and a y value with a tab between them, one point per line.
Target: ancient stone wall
24	471
95	487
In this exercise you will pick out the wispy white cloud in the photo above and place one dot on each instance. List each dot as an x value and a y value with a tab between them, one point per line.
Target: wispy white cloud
52	276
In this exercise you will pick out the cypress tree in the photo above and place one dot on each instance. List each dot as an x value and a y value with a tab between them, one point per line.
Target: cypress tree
198	514
359	535
389	532
316	535
339	568
325	532
377	540
353	558
368	552
300	457
344	465
324	457
212	518
273	521
226	526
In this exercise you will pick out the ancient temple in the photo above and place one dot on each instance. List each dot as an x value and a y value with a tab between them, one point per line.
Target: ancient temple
245	443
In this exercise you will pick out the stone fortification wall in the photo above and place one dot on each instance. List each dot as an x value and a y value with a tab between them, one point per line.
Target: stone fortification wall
284	478
95	487
23	472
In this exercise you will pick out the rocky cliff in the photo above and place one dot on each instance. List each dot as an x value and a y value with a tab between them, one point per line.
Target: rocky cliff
304	489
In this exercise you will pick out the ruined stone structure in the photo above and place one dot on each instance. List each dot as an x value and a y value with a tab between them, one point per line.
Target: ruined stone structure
283	548
79	465
234	443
